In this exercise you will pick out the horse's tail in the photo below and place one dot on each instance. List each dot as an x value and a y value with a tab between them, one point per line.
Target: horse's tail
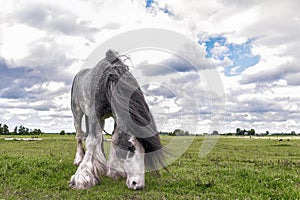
132	112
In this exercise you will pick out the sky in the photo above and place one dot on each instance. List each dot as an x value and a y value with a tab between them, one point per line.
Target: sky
254	45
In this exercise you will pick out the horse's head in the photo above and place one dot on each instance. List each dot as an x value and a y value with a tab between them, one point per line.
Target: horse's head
134	165
130	155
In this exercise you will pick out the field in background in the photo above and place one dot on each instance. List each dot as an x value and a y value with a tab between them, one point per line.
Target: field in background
237	168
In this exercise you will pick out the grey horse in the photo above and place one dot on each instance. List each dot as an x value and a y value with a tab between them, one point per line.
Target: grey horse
106	90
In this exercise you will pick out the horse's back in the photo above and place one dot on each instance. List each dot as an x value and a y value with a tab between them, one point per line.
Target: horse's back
86	82
78	92
89	78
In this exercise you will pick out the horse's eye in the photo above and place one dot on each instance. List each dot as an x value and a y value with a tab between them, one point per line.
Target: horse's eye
131	148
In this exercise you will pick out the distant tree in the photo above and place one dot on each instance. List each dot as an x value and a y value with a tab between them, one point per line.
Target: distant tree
215	132
293	133
178	132
267	133
238	131
171	134
15	130
62	132
1	129
186	133
36	132
251	132
244	132
161	133
5	130
22	130
27	131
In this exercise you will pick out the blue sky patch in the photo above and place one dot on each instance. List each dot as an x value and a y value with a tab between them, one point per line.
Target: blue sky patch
165	9
149	3
240	54
211	43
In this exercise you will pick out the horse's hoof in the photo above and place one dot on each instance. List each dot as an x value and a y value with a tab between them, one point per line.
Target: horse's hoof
83	180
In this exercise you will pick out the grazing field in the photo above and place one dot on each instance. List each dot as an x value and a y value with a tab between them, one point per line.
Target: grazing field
237	168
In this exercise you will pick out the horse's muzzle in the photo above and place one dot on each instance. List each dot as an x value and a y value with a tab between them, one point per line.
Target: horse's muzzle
135	184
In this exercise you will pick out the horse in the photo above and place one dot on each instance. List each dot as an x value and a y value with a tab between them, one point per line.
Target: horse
110	90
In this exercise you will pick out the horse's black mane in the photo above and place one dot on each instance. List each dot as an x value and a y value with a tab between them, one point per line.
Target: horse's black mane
121	86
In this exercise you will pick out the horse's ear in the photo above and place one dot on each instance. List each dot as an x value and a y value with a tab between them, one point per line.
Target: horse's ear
112	56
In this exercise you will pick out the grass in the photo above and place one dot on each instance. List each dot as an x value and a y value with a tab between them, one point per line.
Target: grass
236	168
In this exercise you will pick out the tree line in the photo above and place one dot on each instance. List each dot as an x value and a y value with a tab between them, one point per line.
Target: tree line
19	130
176	132
245	132
180	132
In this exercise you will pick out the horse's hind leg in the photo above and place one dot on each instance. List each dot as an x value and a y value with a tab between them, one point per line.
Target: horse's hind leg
79	137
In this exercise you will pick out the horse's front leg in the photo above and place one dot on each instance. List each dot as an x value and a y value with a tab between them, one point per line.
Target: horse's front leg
94	162
79	151
114	165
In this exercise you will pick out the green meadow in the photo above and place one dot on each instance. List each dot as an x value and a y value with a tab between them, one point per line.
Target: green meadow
236	168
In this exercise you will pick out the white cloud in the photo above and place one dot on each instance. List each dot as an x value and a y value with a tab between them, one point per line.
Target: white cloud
50	86
15	40
293	78
51	17
219	51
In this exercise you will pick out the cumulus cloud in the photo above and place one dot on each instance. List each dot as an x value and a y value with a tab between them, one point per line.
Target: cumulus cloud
47	53
19	82
293	78
170	65
53	19
270	71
